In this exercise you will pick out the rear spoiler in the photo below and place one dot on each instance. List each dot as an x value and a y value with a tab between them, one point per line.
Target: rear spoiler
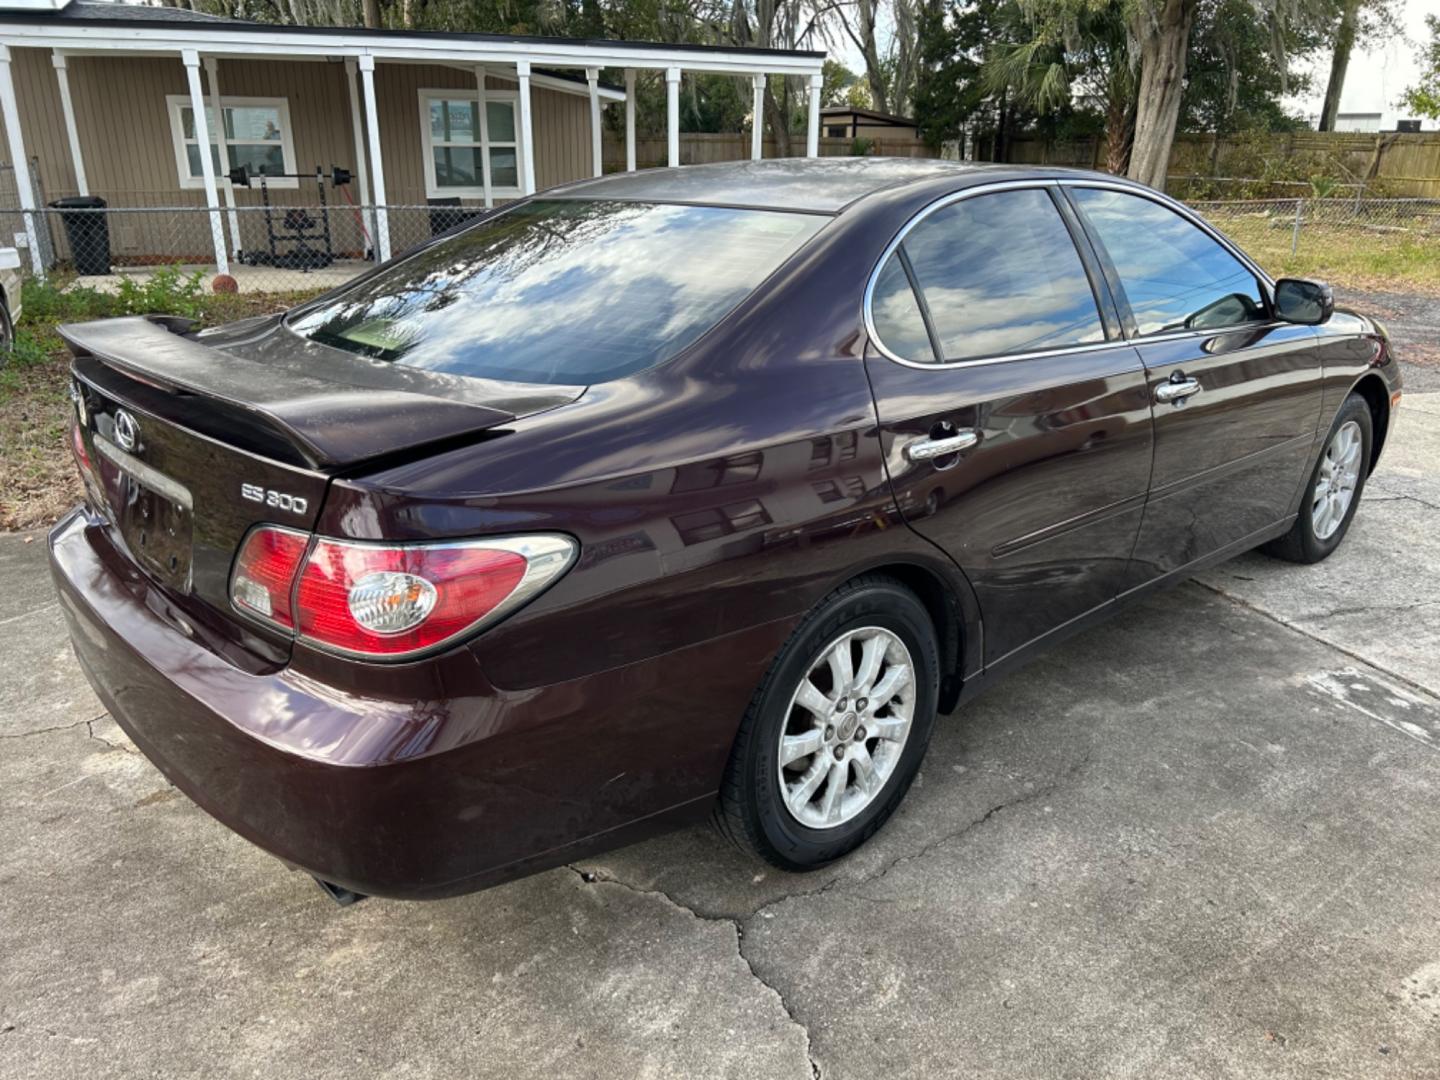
359	410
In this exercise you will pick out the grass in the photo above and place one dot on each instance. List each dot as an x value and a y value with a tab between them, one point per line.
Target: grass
1352	256
38	481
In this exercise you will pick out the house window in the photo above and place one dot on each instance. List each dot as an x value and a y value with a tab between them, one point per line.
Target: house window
257	136
456	143
836	131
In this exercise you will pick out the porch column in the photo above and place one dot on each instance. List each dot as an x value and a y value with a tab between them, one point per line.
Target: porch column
812	138
191	59
757	125
362	174
67	108
629	119
527	133
485	180
11	114
222	147
597	153
672	113
377	167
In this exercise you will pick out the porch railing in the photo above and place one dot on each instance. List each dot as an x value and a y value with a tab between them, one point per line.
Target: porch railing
269	249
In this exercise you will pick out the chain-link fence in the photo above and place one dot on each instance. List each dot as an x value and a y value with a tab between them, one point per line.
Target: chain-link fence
1272	229
293	249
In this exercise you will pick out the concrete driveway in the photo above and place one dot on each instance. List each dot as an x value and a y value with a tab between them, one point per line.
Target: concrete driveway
1199	841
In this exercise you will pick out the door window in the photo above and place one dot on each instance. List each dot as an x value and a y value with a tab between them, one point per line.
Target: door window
1175	276
998	274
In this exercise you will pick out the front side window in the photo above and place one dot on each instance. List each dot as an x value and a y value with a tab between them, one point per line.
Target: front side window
460	137
257	136
561	291
998	274
1175	276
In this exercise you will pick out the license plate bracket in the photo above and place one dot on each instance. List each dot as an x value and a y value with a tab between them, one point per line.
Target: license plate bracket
153	514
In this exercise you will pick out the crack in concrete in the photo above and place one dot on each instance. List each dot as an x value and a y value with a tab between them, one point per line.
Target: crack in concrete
739	923
48	730
89	726
600	878
1390	495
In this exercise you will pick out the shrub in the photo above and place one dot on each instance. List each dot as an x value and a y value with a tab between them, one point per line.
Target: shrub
167	291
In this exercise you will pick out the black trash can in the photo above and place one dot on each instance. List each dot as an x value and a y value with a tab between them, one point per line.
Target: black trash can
87	231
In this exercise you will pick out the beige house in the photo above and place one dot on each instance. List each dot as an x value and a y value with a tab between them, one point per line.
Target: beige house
117	101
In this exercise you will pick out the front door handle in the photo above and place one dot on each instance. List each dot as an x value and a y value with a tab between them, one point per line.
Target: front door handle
1177	390
929	449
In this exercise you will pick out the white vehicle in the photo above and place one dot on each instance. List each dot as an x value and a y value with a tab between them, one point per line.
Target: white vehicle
9	296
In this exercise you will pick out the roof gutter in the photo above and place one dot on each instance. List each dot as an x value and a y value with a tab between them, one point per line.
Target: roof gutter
79	37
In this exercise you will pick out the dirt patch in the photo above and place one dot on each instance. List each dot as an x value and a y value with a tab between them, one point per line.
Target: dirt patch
38	480
1413	322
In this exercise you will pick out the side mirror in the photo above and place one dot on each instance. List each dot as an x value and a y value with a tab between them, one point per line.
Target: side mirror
1309	303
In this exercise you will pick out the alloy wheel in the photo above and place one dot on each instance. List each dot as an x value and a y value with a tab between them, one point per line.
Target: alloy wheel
1336	481
846	727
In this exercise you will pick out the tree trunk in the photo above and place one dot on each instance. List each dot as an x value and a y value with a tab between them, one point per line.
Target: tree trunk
1164	37
1119	130
372	14
874	73
779	121
1344	42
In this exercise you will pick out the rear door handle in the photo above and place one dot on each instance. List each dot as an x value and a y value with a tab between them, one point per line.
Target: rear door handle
1175	391
929	449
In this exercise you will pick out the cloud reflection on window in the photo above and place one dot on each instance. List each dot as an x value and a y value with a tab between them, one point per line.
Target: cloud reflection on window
1173	274
561	291
1000	274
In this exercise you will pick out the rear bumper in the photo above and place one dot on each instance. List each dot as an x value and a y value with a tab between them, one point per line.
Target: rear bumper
402	797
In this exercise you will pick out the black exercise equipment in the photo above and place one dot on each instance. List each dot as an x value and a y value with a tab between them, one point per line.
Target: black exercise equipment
298	227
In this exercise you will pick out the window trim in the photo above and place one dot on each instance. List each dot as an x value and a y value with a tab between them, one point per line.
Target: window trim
427	143
949	200
177	103
1267	283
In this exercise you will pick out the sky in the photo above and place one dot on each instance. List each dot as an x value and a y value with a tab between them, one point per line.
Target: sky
1376	77
1374	81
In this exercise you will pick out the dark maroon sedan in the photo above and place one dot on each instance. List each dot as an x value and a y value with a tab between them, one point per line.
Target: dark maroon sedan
689	492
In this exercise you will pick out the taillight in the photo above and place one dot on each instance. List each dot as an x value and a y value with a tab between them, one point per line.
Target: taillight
264	578
390	601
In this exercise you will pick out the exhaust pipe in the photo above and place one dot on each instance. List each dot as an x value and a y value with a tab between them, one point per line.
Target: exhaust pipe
341	895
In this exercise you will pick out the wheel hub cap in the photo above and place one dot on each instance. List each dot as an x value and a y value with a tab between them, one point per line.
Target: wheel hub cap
846	727
1338	477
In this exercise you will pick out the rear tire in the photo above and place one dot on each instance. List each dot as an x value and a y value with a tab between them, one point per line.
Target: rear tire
809	725
1332	493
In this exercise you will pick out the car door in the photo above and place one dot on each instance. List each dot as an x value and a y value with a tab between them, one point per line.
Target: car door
1234	392
1015	420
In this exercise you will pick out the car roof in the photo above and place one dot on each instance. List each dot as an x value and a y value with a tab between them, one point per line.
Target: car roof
815	185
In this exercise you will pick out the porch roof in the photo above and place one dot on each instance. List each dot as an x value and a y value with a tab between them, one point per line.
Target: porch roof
141	29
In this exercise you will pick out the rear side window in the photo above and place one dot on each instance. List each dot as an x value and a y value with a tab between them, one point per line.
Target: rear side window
896	314
1175	276
998	274
561	291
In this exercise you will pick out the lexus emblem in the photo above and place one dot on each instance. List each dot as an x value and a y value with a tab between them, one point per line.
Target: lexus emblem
127	431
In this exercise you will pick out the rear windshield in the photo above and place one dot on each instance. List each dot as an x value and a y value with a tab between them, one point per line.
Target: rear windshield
561	291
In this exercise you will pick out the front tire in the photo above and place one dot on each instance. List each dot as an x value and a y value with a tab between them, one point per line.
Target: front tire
836	731
1333	492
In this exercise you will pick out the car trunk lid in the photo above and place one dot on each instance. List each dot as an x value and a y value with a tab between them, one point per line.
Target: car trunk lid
192	444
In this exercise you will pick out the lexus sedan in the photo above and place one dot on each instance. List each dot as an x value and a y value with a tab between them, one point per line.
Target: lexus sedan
693	493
